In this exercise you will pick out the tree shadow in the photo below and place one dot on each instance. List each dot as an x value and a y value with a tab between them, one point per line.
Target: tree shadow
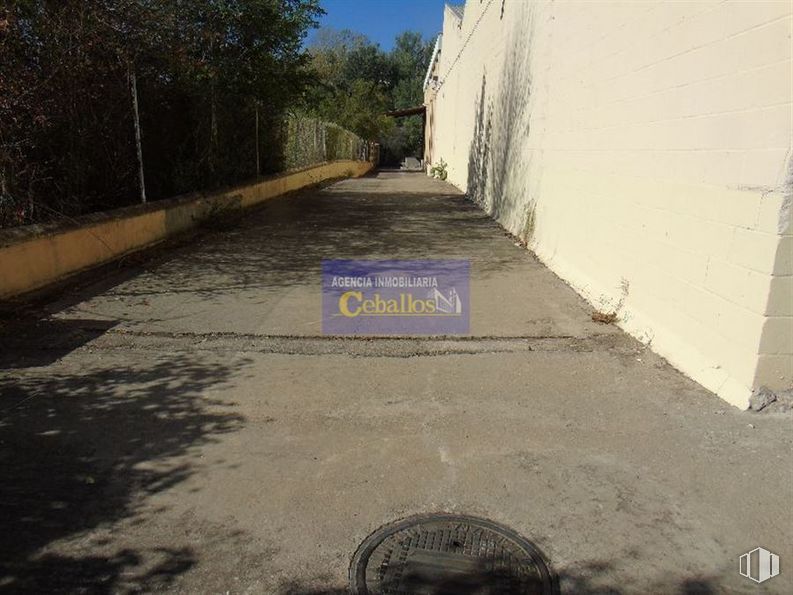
40	341
589	579
281	244
499	162
275	246
83	449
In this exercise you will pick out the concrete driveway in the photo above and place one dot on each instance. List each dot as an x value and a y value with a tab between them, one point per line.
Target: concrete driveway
179	422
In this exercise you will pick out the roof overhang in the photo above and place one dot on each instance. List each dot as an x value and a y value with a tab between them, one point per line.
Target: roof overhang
409	111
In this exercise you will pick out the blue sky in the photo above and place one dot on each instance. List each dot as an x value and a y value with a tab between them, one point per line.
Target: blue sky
382	20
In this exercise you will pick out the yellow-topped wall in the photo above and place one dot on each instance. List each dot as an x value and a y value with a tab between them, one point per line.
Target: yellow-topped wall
35	256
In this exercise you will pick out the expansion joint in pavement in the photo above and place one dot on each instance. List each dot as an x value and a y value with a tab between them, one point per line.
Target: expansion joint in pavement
318	345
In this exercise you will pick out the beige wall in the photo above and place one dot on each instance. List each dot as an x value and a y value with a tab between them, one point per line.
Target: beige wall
643	150
34	256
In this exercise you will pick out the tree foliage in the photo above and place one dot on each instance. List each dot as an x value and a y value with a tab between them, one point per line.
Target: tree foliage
203	69
355	83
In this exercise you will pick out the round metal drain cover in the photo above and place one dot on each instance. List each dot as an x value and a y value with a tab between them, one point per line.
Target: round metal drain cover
444	554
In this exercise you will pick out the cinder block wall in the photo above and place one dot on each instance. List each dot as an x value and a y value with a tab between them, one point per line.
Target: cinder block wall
643	150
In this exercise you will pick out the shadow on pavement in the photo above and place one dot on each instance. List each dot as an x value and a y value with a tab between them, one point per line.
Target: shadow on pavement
282	244
36	342
82	450
586	583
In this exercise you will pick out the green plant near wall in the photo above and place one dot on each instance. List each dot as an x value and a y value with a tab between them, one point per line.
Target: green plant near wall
439	170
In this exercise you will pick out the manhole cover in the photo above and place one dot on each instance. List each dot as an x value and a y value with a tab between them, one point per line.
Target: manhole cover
443	553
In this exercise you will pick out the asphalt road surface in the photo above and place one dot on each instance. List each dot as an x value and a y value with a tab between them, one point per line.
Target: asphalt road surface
179	422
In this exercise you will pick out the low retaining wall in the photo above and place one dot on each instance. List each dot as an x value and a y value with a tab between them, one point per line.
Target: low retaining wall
34	256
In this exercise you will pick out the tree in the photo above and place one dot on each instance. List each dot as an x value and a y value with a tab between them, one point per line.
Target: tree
203	70
410	57
356	83
352	82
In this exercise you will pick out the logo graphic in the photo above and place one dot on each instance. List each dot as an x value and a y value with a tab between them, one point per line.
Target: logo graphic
759	565
448	305
395	297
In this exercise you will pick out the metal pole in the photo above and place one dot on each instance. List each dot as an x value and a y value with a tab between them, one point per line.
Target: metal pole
133	85
258	168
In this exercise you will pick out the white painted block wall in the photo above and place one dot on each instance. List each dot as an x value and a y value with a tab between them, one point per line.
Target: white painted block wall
643	149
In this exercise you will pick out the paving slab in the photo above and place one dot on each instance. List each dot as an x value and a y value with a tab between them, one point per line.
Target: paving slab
179	425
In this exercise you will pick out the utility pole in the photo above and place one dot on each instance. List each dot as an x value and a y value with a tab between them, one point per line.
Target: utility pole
133	87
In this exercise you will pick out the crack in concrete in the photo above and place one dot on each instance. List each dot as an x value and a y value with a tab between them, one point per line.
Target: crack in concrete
318	345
